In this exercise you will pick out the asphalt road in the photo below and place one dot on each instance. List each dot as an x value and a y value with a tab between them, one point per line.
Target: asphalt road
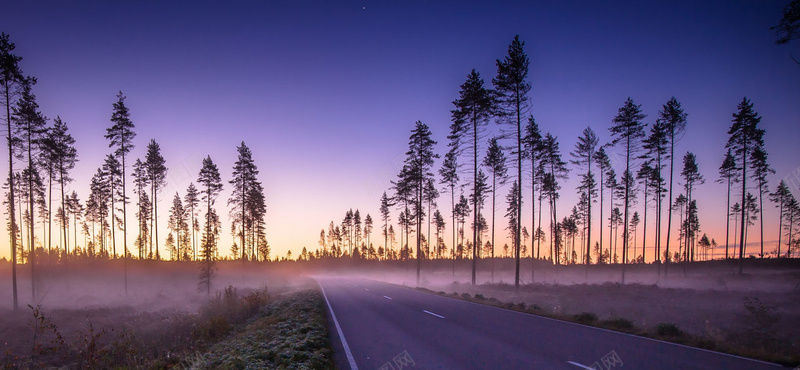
383	326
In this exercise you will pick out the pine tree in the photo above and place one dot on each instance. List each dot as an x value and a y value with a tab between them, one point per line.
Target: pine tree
656	153
113	174
745	138
46	162
449	177
628	131
211	185
646	175
97	207
473	108
584	153
75	209
140	186
177	219
792	215
419	161
429	195
356	228
121	135
157	172
735	210
368	229
692	177
512	212
761	169
749	210
781	197
512	91
532	145
495	161
673	118
555	169
244	175
788	28
191	200
30	127
478	199
438	221
634	224
385	217
727	175
12	81
64	156
603	166
256	207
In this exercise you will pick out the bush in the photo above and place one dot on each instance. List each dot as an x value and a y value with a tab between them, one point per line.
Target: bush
585	318
759	321
227	310
668	330
619	324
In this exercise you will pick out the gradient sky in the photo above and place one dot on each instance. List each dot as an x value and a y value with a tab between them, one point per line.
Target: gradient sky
325	93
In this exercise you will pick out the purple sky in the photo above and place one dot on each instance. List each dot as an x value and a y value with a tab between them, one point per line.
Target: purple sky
325	93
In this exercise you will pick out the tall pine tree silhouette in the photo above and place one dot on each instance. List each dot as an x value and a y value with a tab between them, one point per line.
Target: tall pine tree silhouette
157	172
472	110
210	185
419	162
745	138
121	135
12	81
512	86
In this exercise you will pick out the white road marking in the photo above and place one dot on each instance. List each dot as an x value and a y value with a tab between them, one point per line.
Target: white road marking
581	366
431	313
366	289
349	354
389	298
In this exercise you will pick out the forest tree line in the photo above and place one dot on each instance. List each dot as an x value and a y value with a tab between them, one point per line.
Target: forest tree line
480	158
48	223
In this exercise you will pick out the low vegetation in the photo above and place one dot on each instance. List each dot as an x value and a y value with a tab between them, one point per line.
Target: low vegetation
290	332
233	329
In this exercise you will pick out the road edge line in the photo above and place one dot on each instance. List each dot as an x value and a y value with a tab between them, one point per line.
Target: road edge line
347	352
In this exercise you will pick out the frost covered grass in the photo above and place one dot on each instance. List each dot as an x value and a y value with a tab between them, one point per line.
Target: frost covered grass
288	333
86	321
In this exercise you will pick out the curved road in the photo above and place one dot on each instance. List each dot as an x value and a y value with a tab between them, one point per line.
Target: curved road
383	326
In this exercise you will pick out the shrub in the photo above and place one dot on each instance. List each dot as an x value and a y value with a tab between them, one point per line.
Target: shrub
669	330
585	318
619	324
759	321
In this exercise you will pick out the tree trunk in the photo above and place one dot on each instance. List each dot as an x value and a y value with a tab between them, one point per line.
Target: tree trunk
11	196
669	209
744	192
728	216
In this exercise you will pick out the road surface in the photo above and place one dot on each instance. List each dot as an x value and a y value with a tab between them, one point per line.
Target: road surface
382	326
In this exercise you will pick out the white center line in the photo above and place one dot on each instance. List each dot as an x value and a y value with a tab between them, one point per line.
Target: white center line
366	289
580	365
387	297
431	313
